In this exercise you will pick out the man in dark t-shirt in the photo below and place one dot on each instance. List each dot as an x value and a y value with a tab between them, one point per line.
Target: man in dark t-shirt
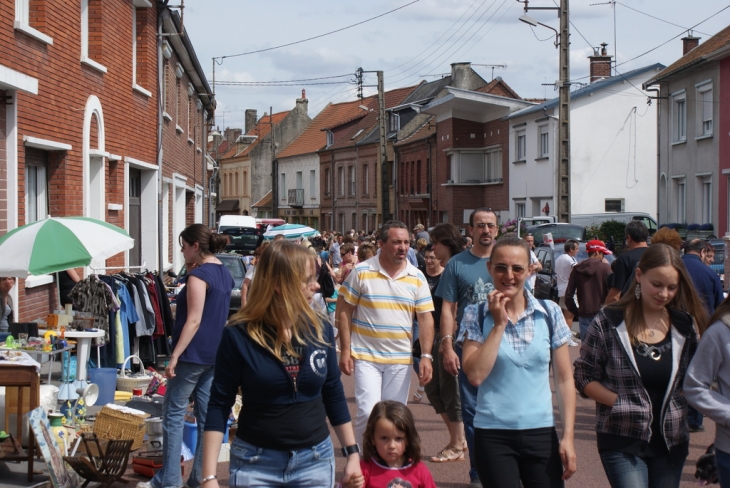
636	237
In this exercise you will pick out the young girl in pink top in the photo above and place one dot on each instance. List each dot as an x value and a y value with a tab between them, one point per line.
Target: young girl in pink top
392	451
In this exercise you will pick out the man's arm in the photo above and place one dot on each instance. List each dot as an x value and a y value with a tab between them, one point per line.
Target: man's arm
613	295
344	322
448	328
569	294
425	335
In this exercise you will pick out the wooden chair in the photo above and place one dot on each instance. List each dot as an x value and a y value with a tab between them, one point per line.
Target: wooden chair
101	466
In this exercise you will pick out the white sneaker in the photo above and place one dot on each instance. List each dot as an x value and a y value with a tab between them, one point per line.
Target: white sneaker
145	484
572	343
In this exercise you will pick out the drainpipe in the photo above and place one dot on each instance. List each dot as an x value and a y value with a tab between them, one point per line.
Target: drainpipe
334	186
160	81
430	184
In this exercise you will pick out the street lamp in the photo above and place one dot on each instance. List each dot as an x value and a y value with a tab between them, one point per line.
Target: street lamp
562	40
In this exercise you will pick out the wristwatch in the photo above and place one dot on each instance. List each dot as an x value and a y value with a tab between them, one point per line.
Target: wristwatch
346	451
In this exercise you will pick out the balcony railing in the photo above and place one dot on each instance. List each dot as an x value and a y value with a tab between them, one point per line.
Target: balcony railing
296	197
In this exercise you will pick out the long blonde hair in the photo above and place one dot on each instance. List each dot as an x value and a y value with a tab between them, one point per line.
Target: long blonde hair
686	299
276	299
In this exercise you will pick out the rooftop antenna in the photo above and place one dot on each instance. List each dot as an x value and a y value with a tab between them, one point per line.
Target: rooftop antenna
491	66
613	4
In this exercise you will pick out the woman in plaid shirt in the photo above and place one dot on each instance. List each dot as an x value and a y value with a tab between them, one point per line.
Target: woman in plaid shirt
632	363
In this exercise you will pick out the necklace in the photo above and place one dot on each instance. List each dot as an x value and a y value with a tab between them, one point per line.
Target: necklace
652	351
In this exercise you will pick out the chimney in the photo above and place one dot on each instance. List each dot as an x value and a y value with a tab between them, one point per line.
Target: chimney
250	120
690	42
462	76
600	63
302	103
232	135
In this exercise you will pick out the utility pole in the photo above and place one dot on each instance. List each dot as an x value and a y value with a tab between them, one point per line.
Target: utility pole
384	169
274	170
564	117
562	41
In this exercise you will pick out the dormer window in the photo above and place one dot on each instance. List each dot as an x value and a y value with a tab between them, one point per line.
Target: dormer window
330	138
394	122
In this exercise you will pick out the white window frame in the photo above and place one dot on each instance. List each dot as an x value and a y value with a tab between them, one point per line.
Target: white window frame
520	209
330	138
705	109
521	145
22	22
543	141
704	194
351	174
622	204
85	59
394	122
36	199
484	166
679	117
282	187
679	191
312	184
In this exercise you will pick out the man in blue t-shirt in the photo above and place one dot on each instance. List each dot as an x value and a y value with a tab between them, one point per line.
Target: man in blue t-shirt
466	281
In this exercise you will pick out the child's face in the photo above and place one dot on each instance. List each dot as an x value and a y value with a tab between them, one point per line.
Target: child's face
390	443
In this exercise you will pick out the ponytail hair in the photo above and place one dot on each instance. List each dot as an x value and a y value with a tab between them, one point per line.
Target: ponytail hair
209	242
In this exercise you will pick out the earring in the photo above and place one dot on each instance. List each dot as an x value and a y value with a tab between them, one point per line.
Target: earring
637	291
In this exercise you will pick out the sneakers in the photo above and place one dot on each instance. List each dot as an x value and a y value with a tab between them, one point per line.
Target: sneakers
573	343
475	483
696	428
145	484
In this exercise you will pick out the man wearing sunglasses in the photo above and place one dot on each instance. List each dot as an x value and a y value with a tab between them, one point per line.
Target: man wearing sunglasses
466	281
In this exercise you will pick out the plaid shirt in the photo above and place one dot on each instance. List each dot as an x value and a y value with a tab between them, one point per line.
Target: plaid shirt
518	335
604	358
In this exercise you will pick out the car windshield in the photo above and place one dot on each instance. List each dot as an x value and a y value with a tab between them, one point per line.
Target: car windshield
234	266
561	233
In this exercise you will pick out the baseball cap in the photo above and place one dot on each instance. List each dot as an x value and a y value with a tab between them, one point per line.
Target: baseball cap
597	246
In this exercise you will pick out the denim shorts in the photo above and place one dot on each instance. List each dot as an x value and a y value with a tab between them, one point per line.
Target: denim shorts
253	466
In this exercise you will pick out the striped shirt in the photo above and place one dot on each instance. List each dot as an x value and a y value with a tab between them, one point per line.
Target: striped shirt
384	306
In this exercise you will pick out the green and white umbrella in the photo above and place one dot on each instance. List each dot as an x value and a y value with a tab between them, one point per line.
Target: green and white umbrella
59	243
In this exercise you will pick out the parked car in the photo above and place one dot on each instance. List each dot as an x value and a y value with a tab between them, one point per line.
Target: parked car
561	232
236	266
546	283
597	219
243	240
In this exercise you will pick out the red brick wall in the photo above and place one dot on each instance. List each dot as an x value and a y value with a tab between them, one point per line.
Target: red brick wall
409	184
64	85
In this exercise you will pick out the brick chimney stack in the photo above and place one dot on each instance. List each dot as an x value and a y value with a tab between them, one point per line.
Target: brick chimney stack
302	103
600	63
690	42
250	120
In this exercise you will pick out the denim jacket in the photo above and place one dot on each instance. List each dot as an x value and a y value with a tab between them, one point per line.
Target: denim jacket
606	356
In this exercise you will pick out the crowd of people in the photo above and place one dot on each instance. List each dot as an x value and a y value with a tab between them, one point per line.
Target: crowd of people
354	304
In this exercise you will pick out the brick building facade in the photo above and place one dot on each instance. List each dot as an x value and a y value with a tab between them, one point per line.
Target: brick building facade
78	122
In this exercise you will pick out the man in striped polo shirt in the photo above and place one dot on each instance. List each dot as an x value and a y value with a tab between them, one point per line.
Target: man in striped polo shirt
375	317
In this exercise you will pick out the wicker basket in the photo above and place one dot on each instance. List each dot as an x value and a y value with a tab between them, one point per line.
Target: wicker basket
116	424
130	383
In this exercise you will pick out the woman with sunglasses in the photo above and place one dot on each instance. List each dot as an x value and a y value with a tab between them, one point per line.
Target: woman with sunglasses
508	345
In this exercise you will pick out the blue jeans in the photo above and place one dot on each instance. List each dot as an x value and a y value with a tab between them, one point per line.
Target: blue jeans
191	380
583	324
468	395
629	471
255	466
694	417
722	463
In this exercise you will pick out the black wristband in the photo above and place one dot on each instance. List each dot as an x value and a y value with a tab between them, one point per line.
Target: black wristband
346	451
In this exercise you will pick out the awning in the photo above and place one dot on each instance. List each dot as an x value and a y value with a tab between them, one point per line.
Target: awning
228	206
264	202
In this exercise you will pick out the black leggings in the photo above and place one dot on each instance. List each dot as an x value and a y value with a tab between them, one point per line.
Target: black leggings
506	457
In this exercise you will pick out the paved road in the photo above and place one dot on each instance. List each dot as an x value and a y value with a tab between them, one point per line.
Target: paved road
590	471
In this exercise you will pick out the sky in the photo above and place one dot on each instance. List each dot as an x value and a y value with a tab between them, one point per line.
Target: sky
419	40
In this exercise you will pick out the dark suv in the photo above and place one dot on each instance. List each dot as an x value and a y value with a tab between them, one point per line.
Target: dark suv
243	240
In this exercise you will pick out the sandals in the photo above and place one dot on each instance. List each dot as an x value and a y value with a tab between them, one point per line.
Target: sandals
449	454
417	397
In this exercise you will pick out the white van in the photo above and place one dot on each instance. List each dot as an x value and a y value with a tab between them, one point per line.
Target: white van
588	220
235	221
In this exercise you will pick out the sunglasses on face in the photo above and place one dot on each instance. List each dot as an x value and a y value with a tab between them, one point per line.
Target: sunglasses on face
488	225
503	268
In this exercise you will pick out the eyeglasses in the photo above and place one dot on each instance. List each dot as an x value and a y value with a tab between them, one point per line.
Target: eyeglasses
502	269
489	225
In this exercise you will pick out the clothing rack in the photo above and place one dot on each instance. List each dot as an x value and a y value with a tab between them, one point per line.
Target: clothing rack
143	266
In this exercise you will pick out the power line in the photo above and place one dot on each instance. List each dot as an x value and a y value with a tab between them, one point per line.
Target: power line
657	18
287	81
321	35
253	83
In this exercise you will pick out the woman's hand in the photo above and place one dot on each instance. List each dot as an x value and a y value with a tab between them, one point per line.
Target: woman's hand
170	368
568	458
353	477
497	303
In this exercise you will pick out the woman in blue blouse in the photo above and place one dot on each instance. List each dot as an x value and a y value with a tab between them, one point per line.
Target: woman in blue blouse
508	346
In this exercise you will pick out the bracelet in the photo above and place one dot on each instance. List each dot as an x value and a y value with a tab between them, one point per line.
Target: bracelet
448	336
427	356
208	478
